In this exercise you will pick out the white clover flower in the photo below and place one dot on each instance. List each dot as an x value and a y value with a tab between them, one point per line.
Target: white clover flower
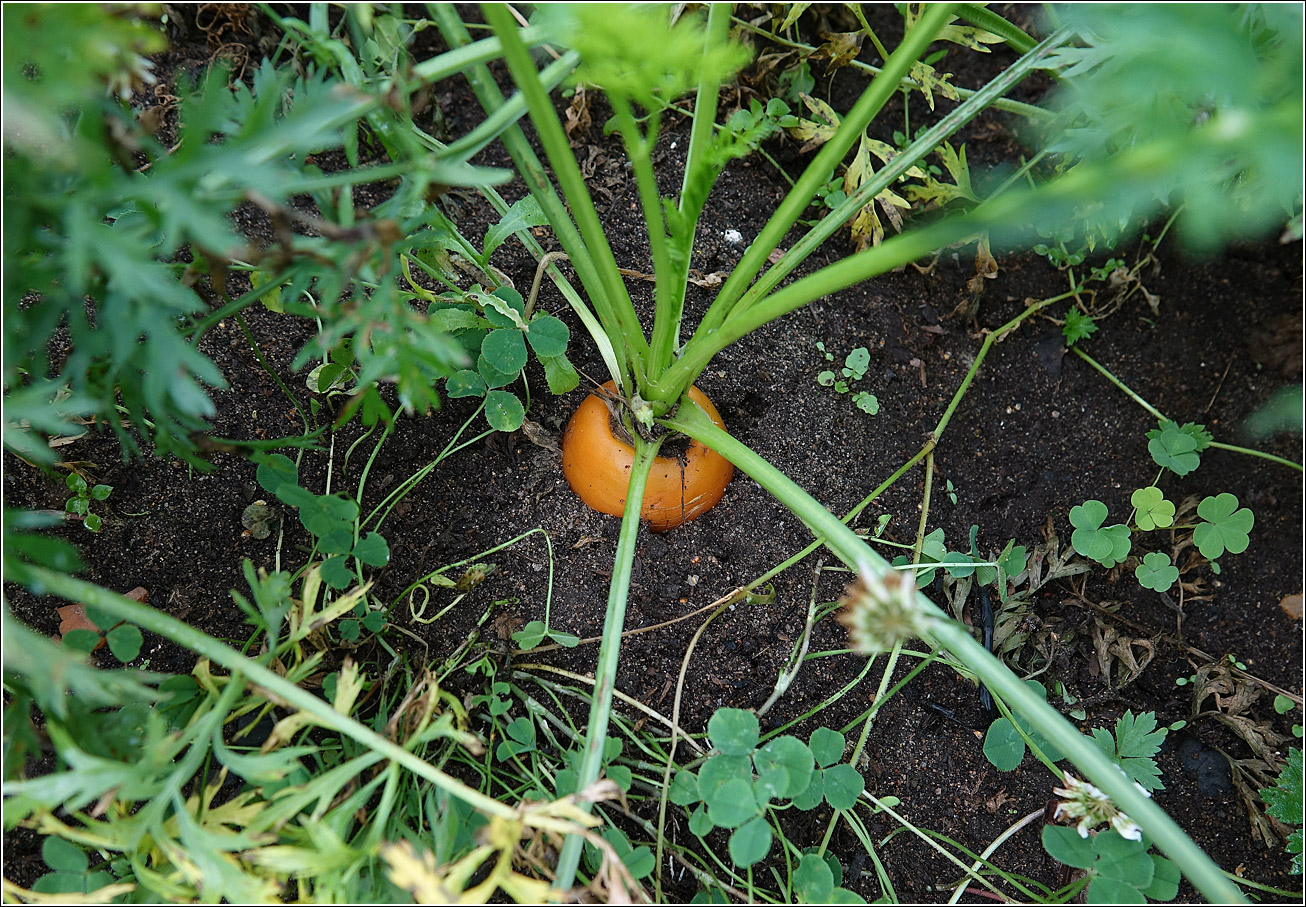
882	610
1088	804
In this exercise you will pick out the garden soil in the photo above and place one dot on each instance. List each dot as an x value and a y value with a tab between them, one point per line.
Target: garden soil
1037	432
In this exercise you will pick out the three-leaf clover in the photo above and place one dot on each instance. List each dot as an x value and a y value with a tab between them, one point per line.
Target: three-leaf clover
1108	546
1121	870
1226	526
1156	571
1153	510
1174	450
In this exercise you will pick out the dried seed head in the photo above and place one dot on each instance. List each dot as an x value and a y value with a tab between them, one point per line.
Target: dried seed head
881	611
1088	804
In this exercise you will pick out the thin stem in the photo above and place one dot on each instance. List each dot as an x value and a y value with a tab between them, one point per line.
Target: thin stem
1162	417
1201	871
593	254
671	746
605	674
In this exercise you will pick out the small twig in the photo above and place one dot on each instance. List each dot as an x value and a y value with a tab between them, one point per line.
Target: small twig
1207	407
539	276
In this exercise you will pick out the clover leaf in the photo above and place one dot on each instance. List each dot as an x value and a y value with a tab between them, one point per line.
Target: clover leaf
1108	546
1156	572
1226	526
1174	449
1153	510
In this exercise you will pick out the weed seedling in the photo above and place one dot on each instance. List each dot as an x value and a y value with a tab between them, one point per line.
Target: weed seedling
853	370
79	505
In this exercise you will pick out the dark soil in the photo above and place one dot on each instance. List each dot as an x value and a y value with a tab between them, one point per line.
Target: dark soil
1038	432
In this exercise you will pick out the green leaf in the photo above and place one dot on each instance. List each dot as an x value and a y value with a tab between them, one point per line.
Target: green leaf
548	336
784	765
125	642
1066	846
61	855
504	411
560	374
373	550
450	318
1154	511
699	823
503	308
522	215
531	635
1123	860
336	573
732	804
1174	450
843	785
866	402
275	470
505	351
465	383
750	843
101	492
815	793
1108	546
61	883
1226	526
857	362
1284	800
493	377
1165	879
733	731
719	769
1156	572
92	522
1078	327
1112	891
81	640
339	540
1013	563
684	788
103	620
1003	746
827	746
1134	744
813	880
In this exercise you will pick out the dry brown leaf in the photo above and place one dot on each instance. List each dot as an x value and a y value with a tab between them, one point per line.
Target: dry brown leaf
73	617
1291	605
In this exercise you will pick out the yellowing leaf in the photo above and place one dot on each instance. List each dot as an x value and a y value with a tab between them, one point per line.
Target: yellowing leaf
813	132
928	80
841	48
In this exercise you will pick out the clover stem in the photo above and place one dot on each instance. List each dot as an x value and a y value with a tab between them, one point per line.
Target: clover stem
1161	416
